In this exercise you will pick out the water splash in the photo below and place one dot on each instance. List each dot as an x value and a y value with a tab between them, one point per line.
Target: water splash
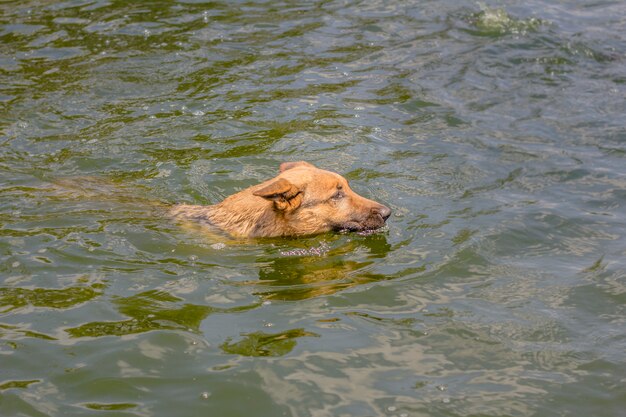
496	22
320	250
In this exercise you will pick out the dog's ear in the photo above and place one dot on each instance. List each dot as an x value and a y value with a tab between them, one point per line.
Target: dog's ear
288	165
284	194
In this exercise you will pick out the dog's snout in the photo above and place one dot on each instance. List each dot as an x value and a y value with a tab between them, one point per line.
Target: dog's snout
383	211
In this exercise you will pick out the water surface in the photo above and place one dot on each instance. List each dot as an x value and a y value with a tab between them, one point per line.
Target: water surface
494	130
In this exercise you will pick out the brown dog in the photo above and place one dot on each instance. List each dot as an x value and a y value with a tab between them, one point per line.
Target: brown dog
301	200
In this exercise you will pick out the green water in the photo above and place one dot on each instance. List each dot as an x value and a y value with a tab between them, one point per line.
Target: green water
494	130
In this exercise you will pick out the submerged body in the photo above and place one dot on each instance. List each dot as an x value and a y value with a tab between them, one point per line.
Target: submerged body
301	200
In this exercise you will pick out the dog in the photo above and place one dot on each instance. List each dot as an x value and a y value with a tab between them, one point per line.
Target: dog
302	200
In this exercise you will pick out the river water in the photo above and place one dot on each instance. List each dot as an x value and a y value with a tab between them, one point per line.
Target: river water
495	131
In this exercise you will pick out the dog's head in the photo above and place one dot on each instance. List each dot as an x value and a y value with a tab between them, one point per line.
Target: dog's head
312	200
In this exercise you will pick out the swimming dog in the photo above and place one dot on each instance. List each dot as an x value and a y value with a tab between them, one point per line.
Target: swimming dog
301	200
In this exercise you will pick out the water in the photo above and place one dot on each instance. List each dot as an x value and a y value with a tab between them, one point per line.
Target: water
494	130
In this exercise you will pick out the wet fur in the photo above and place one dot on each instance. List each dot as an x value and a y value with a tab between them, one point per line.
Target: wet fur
301	200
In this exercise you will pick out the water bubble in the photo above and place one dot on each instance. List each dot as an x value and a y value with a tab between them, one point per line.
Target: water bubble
193	258
269	325
442	387
15	264
266	303
205	395
218	246
445	400
392	408
198	113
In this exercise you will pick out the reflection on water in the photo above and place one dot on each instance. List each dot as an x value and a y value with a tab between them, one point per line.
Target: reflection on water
151	310
265	344
495	132
298	274
15	298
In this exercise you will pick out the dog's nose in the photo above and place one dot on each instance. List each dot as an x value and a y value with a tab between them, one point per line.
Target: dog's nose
384	211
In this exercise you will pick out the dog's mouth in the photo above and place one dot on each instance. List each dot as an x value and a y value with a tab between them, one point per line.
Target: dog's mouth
369	225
